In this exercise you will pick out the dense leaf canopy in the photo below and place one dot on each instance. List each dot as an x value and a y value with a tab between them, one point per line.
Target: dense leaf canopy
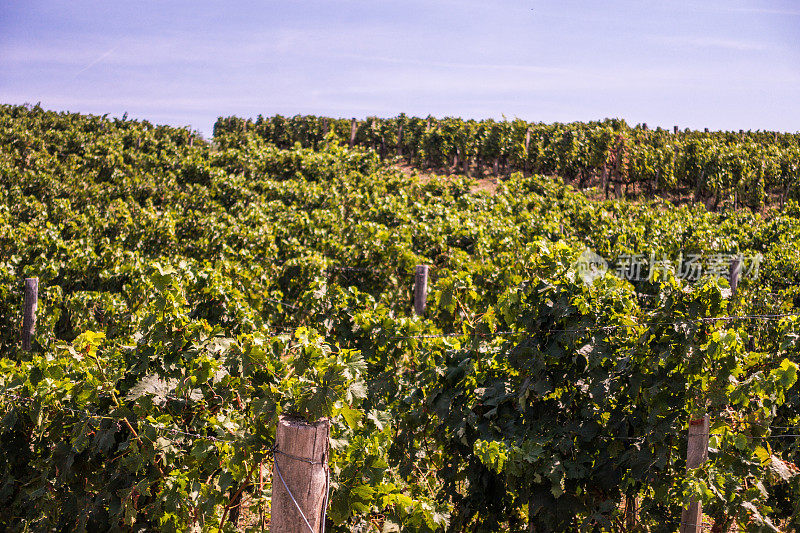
192	291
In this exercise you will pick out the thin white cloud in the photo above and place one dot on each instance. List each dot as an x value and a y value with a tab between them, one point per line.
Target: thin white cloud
711	42
572	79
741	10
185	49
767	11
96	61
454	65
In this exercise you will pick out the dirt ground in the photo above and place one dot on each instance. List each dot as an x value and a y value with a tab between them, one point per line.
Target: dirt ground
487	183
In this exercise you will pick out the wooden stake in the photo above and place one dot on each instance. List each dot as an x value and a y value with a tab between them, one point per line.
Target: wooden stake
420	290
301	464
527	150
29	316
261	493
696	455
630	512
353	129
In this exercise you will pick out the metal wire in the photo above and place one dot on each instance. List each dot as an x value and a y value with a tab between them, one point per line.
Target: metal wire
588	329
295	457
284	304
289	492
197	435
110	418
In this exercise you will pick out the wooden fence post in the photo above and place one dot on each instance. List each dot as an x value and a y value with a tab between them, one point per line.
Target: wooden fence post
29	316
696	455
353	129
300	476
420	289
323	134
527	150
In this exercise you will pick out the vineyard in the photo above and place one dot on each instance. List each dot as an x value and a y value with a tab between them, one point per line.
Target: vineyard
718	168
191	292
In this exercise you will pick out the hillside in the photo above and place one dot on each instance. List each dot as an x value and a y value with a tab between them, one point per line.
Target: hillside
192	291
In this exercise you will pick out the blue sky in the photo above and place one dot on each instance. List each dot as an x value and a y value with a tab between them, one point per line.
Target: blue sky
719	64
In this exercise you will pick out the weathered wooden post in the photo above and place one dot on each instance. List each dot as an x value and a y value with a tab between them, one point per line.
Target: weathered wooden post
696	455
527	150
323	133
300	476
420	289
630	512
29	316
353	130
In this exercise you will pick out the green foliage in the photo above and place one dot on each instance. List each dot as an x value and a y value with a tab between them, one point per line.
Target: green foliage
191	293
722	168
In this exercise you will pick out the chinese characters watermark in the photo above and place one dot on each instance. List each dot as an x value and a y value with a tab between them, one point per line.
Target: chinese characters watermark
689	267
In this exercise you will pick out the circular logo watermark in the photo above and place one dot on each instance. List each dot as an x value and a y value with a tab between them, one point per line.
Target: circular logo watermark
590	266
